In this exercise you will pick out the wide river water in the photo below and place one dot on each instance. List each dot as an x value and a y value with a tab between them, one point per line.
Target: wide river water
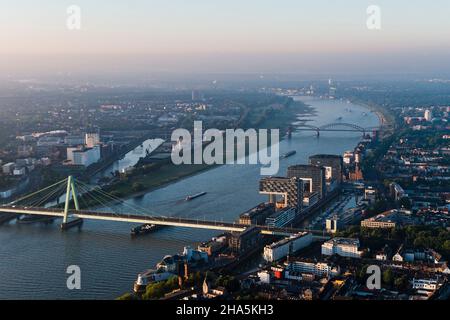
34	258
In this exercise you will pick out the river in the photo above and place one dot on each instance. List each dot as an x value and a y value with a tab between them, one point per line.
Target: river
34	258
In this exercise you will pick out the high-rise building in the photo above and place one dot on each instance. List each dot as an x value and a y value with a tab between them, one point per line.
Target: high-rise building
333	165
291	189
92	139
313	178
428	115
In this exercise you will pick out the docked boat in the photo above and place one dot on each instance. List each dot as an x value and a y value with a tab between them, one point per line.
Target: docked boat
288	154
144	229
189	198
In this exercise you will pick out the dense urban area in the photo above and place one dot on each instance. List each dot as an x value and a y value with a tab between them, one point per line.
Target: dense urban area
326	224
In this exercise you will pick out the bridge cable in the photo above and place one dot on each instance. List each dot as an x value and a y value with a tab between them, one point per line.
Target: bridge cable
135	208
37	192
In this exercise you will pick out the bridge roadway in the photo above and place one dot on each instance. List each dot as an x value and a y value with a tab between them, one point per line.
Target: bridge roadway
156	220
339	130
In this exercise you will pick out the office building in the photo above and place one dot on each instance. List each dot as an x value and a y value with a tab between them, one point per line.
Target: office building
333	165
287	246
291	190
313	178
282	217
344	247
321	269
242	241
257	215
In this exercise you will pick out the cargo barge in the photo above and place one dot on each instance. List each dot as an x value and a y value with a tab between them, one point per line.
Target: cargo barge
288	154
189	198
144	229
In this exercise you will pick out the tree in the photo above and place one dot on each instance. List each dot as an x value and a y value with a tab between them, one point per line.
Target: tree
388	277
401	283
406	203
137	187
127	296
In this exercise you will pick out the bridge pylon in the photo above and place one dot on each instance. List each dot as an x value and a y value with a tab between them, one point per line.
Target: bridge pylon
71	190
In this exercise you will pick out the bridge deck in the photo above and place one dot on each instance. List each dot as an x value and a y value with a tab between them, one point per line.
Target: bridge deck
157	220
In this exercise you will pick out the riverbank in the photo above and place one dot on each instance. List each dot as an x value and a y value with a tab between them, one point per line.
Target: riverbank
387	119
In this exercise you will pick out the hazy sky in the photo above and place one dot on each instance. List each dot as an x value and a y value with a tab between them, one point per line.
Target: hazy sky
225	35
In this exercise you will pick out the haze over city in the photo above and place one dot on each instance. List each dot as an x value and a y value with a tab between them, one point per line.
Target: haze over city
212	36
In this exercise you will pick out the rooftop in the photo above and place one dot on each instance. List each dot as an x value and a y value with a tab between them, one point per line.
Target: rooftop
344	241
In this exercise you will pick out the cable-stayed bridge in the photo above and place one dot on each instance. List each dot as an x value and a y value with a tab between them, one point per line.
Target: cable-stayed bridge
79	201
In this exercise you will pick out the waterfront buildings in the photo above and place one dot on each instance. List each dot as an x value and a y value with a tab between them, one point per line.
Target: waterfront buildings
214	246
282	248
281	218
241	241
257	215
333	165
345	247
313	178
291	190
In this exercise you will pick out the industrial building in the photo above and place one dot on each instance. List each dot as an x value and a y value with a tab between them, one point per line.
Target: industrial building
86	156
